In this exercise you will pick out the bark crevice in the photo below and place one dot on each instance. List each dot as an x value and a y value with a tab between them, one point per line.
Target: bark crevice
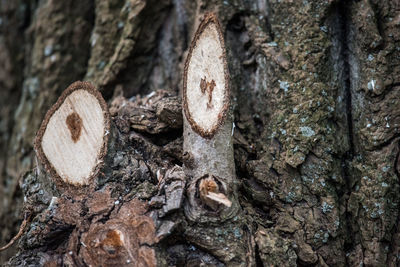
339	24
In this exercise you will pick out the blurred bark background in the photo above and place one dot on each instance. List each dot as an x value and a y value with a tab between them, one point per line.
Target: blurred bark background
316	88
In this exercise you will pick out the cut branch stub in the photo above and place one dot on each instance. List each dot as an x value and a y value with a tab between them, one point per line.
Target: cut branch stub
210	193
207	128
72	139
205	81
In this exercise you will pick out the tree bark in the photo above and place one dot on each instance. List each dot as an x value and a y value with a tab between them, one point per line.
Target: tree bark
314	86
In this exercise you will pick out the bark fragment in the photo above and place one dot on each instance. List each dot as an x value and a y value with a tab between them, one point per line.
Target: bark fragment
158	112
275	250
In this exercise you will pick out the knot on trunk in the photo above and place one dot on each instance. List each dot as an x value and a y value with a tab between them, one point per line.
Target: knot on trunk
122	241
211	195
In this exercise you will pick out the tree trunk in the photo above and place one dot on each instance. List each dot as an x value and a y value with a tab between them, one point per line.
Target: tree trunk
314	89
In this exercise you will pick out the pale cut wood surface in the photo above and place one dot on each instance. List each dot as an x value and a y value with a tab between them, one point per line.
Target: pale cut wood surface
75	161
207	64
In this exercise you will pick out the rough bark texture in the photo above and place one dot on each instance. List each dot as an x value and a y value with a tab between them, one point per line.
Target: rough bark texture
316	106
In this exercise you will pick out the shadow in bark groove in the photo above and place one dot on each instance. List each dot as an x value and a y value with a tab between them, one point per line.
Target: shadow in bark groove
341	14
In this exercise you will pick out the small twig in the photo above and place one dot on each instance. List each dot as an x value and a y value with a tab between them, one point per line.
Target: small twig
20	232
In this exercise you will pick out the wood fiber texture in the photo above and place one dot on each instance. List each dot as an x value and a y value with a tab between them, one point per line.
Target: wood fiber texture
72	139
206	93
